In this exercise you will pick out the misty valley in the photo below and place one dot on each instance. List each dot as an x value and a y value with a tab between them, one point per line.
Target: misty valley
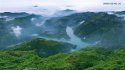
66	40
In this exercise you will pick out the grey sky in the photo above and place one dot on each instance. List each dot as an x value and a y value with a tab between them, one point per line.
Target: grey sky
80	5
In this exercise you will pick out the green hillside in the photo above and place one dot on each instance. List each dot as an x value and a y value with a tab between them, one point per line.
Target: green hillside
105	28
89	58
102	32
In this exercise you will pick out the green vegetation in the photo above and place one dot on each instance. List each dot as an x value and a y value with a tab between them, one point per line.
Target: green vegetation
43	47
9	20
108	29
90	58
42	54
56	26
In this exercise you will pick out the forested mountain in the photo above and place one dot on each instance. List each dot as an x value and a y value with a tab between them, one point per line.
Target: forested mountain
89	58
36	42
105	28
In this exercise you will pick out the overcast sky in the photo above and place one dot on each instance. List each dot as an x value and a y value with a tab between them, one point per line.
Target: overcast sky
80	5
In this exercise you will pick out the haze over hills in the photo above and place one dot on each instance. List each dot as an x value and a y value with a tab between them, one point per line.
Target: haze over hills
39	42
48	6
62	35
21	27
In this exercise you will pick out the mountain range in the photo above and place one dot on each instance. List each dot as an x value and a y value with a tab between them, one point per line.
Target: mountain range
36	42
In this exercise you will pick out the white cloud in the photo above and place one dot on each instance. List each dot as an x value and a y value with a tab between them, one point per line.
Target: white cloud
81	5
17	30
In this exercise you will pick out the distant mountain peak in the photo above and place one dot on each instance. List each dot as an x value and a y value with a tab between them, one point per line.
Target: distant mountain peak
64	12
68	10
35	6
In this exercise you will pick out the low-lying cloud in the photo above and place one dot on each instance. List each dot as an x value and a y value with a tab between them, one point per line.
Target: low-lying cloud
17	30
49	6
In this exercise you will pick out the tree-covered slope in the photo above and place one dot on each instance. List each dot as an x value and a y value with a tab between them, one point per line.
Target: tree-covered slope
104	28
44	47
90	58
29	25
17	27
